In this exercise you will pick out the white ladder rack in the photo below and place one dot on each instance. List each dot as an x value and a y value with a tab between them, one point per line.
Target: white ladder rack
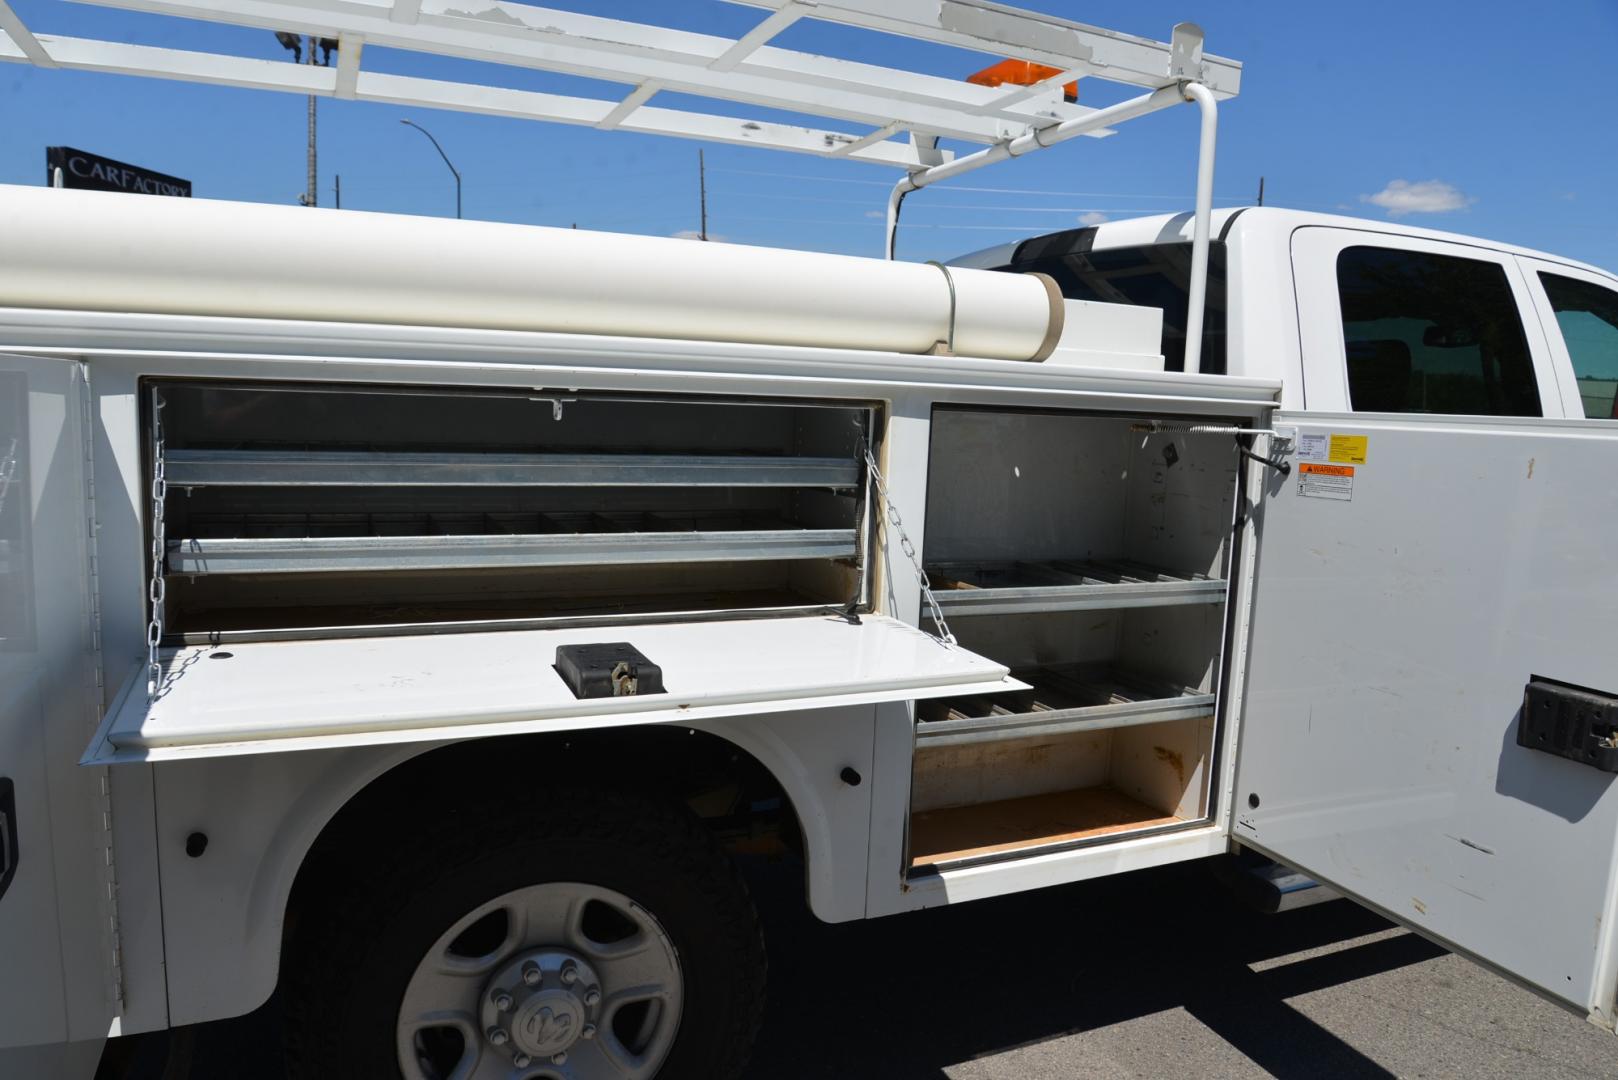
900	115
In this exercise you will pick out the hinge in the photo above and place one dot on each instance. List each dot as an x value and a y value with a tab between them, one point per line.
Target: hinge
96	688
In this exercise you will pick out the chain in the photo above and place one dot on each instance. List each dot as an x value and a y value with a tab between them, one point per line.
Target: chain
156	589
907	547
8	471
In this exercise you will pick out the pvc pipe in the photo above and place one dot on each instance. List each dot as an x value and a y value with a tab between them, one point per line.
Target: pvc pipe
107	251
1196	302
1161	98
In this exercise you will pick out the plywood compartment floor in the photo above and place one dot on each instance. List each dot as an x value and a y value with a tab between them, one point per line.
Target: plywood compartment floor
958	832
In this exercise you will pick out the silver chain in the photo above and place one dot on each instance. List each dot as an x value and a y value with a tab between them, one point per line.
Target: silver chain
907	547
156	590
8	471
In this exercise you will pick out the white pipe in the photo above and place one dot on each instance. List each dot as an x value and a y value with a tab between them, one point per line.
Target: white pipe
1035	140
1196	303
110	251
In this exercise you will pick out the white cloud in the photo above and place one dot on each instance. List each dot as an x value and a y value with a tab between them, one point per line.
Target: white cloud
1421	197
1092	217
879	214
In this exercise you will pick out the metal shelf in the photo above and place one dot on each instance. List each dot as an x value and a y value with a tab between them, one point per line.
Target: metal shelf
1012	588
321	543
372	468
1063	700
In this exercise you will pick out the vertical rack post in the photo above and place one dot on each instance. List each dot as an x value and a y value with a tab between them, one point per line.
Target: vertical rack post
1197	301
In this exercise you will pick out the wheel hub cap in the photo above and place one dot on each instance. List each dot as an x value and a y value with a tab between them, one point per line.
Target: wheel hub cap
544	1001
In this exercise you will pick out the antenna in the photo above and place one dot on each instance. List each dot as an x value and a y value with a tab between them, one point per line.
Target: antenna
1261	191
702	195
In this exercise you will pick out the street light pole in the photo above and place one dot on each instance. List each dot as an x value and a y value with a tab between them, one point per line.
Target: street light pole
440	149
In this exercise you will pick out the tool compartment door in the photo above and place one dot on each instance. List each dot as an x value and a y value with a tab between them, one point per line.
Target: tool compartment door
273	696
1415	575
56	953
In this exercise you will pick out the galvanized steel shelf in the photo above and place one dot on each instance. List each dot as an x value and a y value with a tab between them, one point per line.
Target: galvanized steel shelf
1014	588
1064	700
373	468
311	543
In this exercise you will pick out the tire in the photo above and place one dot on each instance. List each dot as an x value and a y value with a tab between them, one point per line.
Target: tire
611	875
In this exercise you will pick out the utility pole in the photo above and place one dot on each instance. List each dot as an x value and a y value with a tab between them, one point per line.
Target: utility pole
702	195
312	195
1261	191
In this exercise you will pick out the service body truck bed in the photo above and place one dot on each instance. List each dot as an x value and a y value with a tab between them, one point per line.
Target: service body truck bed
961	581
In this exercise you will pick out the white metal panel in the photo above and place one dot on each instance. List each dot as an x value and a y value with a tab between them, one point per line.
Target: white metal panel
1393	634
291	695
1039	871
56	936
133	344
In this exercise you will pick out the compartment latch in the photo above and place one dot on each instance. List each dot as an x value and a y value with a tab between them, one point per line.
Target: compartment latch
1570	721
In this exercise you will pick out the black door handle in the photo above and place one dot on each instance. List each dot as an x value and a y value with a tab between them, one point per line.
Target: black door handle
8	833
1570	721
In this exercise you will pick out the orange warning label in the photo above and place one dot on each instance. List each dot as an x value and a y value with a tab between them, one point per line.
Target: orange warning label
1326	481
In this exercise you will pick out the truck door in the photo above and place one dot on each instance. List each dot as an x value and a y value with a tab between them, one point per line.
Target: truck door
56	978
1431	716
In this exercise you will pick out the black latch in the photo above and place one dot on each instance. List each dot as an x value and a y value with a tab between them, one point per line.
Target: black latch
607	669
1570	721
8	833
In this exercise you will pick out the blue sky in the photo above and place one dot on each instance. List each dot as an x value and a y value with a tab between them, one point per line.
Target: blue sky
1373	108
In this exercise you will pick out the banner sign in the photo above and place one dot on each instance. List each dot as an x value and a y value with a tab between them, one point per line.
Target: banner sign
97	173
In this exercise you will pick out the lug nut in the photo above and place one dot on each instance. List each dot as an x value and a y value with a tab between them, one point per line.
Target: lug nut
521	1060
498	1036
588	1031
592	997
531	974
502	1001
570	973
559	1059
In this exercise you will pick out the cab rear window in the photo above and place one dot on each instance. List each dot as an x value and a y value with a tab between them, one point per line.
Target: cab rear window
1150	275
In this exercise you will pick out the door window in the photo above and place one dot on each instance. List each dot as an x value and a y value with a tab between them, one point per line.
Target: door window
1588	317
1432	333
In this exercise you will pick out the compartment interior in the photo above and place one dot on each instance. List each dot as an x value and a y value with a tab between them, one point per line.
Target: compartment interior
1090	554
300	506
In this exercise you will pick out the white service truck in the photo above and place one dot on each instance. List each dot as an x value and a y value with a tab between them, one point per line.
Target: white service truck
420	628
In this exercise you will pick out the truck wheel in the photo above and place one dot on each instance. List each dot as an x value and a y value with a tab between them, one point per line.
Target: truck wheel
582	936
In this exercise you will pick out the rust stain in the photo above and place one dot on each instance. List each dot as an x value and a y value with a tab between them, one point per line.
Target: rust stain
1420	907
1530	468
1175	761
1035	754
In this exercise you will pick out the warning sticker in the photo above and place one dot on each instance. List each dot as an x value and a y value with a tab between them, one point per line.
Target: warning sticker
1349	449
1326	481
1312	447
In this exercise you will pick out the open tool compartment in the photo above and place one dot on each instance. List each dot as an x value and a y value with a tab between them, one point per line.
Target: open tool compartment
308	510
1091	554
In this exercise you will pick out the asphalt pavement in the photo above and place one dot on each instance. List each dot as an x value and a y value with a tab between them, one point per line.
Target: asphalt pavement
1152	974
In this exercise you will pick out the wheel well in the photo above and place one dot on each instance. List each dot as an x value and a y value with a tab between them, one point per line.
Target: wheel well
724	786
